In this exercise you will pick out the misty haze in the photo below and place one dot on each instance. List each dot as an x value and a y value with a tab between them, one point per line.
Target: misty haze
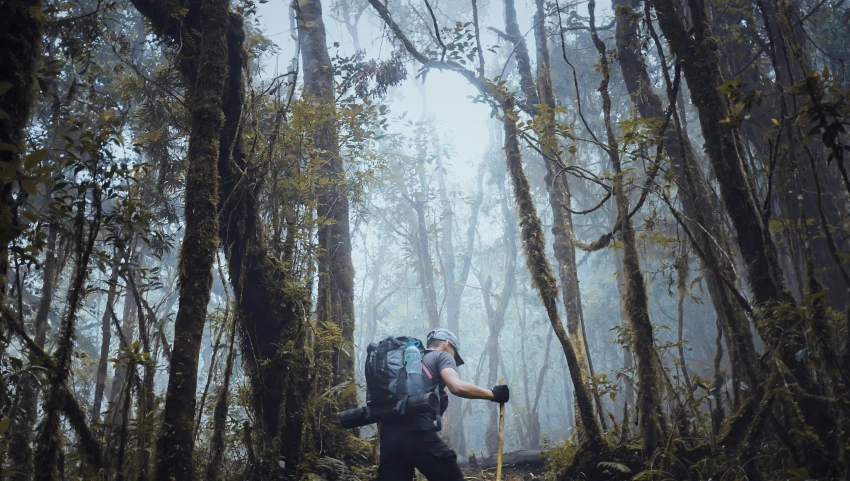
397	240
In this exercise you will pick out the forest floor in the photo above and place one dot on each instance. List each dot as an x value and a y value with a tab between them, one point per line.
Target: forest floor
523	465
509	473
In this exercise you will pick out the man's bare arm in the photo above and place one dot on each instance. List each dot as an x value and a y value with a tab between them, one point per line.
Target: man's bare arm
461	388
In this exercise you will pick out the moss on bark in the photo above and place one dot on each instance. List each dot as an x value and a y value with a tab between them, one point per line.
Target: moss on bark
21	27
650	410
534	244
200	242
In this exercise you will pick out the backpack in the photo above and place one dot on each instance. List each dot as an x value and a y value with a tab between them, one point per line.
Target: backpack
386	377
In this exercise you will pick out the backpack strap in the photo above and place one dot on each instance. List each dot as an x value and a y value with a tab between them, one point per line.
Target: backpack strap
438	418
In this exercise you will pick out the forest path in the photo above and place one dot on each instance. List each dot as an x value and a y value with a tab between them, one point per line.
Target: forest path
519	465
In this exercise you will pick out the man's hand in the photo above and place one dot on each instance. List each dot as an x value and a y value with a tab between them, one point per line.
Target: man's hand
501	394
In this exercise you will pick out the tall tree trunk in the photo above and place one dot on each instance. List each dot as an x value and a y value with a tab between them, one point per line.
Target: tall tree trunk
145	390
559	201
455	282
272	305
652	422
541	273
335	301
20	451
106	334
200	242
48	442
521	50
52	268
121	368
682	269
220	413
628	357
124	428
496	314
21	26
699	205
425	267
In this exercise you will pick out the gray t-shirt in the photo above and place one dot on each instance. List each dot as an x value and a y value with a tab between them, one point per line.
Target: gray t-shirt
433	363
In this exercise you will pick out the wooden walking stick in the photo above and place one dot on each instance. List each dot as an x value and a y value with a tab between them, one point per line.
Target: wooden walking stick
501	437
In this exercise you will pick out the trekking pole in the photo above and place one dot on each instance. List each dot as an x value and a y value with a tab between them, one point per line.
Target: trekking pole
501	437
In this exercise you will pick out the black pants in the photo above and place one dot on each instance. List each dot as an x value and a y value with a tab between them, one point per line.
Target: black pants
403	450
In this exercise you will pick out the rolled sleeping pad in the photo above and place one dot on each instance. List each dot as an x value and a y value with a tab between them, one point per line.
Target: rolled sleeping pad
364	415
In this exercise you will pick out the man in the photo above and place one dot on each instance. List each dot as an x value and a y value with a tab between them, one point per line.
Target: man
413	442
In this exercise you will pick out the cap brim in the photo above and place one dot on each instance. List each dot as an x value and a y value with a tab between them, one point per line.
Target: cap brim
458	359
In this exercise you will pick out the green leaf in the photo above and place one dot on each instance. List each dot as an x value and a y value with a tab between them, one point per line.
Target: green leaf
34	158
800	473
4	426
29	186
4	87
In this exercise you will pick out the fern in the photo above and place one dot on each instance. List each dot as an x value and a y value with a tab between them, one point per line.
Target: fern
615	466
337	469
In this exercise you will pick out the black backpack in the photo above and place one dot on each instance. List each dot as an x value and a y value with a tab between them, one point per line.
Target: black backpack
386	377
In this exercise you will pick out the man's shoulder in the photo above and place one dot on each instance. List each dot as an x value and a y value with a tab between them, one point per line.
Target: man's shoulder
440	359
436	355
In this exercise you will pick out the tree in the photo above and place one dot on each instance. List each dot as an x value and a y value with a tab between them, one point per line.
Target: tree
335	301
21	26
200	241
698	205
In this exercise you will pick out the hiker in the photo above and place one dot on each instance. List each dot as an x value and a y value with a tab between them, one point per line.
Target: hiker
413	442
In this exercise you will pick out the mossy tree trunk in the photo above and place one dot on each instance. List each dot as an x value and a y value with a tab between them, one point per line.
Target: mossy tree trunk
541	104
48	442
272	305
534	244
522	58
335	300
21	27
698	204
559	201
650	387
778	322
200	242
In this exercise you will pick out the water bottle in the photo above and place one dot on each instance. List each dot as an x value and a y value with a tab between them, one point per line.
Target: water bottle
413	366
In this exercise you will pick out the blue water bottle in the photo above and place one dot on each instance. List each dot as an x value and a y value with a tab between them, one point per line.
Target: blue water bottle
413	366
